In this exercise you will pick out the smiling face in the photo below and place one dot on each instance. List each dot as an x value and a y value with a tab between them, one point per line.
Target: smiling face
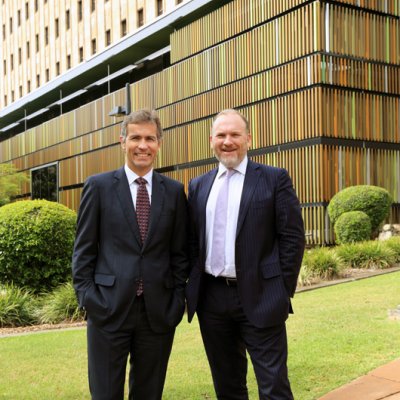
141	146
230	139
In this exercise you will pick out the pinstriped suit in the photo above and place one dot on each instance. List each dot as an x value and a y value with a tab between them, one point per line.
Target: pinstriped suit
268	252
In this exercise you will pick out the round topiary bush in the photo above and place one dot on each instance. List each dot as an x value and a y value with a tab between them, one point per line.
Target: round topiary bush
36	243
372	200
353	226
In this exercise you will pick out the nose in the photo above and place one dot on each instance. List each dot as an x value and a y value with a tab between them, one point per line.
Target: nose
142	144
227	140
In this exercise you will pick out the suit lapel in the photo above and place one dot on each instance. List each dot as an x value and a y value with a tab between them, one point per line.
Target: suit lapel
124	195
157	202
249	185
203	194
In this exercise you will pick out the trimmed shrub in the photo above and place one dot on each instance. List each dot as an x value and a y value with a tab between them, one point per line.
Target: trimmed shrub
36	243
319	264
16	306
61	305
369	255
373	200
353	226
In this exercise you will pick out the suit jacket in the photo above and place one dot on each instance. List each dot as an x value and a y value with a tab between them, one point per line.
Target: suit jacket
108	257
269	243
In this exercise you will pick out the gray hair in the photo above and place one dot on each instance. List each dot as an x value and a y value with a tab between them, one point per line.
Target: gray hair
231	111
142	117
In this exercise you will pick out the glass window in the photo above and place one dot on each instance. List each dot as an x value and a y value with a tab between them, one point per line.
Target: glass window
140	18
44	183
80	11
159	7
123	27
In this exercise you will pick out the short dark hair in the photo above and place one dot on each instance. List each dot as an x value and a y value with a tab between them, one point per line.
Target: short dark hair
235	112
141	117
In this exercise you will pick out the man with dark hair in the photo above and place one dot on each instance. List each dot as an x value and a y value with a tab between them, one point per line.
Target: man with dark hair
130	266
246	247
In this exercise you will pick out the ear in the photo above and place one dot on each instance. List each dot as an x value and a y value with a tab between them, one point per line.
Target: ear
122	141
248	140
210	138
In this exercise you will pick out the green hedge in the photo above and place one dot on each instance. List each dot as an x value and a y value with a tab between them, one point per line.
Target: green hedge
372	200
36	243
353	226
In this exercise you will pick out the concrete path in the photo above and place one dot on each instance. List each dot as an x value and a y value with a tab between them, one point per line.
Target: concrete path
382	383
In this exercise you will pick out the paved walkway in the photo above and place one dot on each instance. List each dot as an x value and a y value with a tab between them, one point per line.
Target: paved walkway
382	383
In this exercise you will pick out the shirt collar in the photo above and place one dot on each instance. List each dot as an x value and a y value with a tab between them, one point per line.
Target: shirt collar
132	176
241	168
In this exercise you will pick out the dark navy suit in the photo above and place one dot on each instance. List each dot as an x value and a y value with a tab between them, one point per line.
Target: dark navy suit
268	252
107	262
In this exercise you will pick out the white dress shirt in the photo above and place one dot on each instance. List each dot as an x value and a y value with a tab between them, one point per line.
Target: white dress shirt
234	196
133	186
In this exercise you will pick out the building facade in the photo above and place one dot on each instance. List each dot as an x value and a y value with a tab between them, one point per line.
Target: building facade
319	81
42	39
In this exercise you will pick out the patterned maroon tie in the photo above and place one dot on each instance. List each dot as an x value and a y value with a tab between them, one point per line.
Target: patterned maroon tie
142	215
142	208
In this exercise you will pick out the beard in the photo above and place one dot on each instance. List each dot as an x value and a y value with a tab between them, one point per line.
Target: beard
229	161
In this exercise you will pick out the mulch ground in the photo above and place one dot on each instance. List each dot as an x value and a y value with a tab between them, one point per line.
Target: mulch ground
20	330
349	275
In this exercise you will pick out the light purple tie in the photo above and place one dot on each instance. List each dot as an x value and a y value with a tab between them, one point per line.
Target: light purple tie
219	232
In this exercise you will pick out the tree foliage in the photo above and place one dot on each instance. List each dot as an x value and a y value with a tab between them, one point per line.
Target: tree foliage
11	182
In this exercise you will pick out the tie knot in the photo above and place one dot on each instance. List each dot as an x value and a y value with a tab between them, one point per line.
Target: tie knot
229	173
140	181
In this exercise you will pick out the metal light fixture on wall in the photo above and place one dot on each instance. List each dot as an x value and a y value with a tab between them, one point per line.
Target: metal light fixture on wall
120	111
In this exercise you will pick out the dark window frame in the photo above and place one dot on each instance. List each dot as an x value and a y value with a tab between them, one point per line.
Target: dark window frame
44	182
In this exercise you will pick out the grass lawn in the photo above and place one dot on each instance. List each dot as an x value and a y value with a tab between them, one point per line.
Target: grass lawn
336	334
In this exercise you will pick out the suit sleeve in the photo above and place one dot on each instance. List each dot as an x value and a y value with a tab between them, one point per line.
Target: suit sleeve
290	231
86	242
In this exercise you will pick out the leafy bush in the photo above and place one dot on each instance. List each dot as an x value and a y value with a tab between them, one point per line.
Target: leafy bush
394	244
36	242
373	200
16	306
319	264
371	254
59	306
352	226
